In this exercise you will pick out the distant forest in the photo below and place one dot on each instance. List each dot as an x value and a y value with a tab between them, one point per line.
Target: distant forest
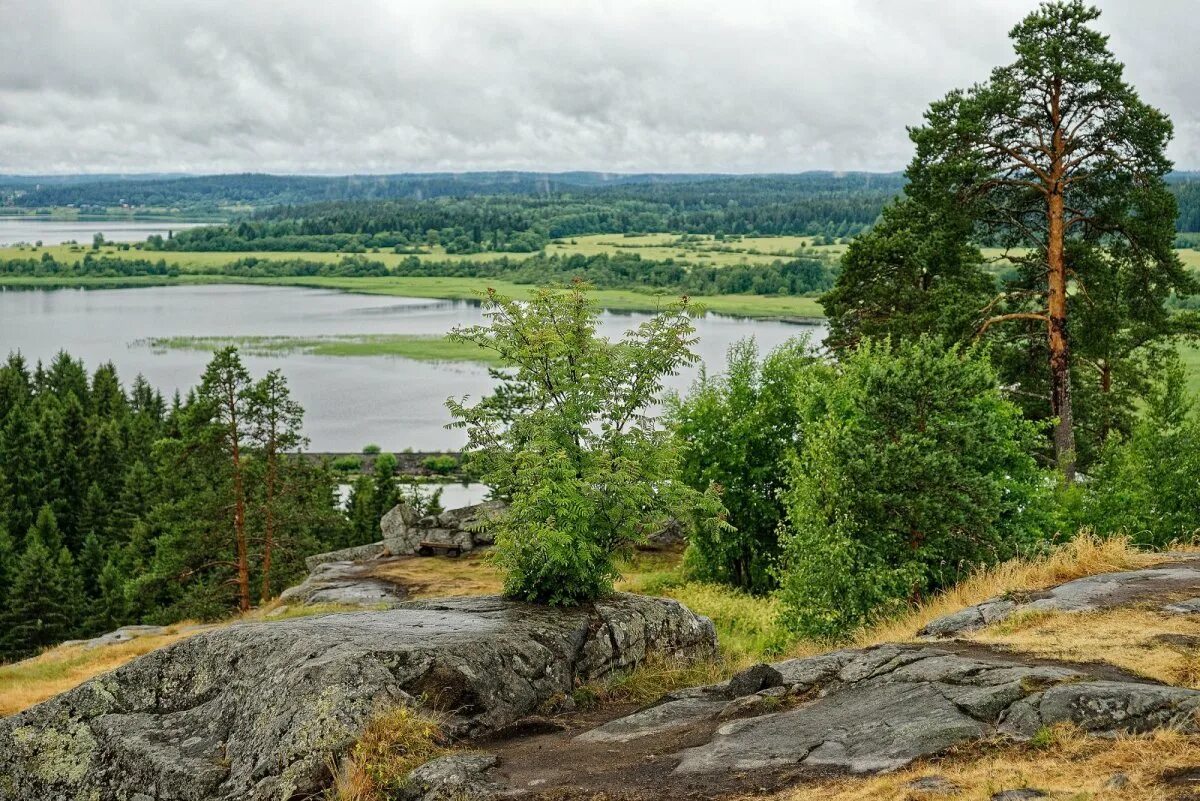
495	211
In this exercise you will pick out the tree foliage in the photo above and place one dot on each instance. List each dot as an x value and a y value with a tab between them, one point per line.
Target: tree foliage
1057	158
738	432
912	470
587	471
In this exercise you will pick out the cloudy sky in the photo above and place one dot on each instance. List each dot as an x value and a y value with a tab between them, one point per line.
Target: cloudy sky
334	86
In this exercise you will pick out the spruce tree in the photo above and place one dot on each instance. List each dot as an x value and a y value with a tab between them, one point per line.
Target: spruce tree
38	614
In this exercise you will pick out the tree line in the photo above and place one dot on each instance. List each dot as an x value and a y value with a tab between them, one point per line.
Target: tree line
799	276
119	507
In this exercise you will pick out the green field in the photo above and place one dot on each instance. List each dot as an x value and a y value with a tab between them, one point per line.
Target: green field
408	346
693	249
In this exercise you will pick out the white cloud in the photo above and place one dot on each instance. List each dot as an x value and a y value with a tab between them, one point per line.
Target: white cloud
377	86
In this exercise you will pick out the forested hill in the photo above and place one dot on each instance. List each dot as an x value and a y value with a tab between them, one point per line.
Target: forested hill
215	191
559	204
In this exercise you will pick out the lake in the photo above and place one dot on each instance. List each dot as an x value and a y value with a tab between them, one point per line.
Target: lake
349	401
31	229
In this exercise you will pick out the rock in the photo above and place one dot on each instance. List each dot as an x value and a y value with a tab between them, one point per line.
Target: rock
671	537
123	634
467	527
359	553
1117	781
933	784
261	710
754	678
459	777
349	583
1189	607
1018	795
1106	707
656	720
1088	594
877	709
881	727
769	700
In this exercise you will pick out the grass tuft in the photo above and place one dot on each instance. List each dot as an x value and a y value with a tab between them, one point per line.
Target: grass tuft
393	744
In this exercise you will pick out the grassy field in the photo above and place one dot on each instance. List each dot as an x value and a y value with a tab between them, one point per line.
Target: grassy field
694	249
408	346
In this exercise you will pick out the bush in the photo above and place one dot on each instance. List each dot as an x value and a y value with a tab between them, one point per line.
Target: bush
442	465
347	464
371	449
913	470
1146	486
739	432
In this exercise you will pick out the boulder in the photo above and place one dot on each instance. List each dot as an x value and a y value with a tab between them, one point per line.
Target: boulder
359	553
466	527
347	583
458	777
263	710
1103	591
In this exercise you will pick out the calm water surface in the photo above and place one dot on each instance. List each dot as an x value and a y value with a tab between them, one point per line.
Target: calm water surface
54	232
349	401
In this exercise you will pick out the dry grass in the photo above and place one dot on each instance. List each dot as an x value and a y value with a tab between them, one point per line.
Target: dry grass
58	669
441	576
392	745
23	684
1144	641
1086	555
1066	765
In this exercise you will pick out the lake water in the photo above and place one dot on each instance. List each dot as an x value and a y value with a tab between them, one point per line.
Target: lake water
349	401
54	232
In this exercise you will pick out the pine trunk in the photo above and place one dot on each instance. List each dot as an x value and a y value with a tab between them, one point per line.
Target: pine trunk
1060	346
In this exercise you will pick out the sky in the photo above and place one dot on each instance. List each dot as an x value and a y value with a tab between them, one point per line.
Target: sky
379	86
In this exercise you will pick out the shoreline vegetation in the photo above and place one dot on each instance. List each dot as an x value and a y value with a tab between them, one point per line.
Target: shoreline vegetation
408	346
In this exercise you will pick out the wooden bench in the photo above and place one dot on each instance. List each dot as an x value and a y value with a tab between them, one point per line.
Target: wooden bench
427	548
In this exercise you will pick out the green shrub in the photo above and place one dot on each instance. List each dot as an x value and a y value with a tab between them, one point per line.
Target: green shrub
347	464
914	469
442	465
1148	485
739	432
371	449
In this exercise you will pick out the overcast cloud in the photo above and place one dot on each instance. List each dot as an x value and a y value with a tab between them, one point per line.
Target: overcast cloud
335	86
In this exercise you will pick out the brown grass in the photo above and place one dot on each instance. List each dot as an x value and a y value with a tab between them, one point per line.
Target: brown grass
1067	765
1086	555
58	669
392	745
23	684
440	576
1128	637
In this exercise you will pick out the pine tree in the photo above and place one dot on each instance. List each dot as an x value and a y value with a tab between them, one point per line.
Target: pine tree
20	448
91	564
275	428
224	390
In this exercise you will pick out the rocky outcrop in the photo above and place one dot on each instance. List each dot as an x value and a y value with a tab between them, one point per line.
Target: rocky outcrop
856	711
263	710
466	528
1092	593
346	583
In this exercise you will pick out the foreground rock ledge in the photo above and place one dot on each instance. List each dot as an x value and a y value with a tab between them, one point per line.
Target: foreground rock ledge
262	710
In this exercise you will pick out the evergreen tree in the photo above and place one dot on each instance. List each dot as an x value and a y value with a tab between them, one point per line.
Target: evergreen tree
1058	160
386	493
361	510
38	613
